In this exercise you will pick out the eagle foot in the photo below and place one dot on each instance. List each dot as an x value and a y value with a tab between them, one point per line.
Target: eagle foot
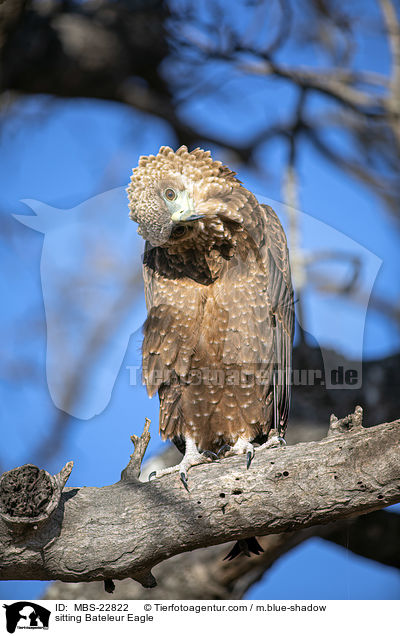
191	458
274	442
241	447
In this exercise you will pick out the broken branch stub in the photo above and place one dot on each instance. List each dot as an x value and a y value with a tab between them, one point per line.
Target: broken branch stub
28	495
132	470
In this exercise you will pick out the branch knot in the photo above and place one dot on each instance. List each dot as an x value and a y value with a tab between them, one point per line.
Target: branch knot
346	424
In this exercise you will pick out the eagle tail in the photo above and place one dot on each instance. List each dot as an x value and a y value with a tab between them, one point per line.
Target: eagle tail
244	546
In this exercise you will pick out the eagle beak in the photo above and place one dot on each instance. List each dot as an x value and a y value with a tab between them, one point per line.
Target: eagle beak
185	216
185	211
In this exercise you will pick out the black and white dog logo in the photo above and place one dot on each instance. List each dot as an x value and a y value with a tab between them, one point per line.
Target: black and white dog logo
26	615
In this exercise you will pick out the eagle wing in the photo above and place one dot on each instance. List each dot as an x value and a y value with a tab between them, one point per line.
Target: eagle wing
256	295
247	322
280	296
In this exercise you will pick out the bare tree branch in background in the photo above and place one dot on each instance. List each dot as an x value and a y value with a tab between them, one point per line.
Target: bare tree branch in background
393	31
152	56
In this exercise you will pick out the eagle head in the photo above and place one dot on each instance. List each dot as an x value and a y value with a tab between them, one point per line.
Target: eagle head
172	191
161	207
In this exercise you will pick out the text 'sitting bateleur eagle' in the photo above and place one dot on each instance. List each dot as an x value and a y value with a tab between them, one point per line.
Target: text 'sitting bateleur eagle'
218	336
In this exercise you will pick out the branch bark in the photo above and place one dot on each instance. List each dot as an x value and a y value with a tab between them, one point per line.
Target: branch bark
203	574
123	530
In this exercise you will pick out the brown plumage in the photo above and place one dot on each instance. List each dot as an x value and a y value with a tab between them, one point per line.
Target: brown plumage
220	304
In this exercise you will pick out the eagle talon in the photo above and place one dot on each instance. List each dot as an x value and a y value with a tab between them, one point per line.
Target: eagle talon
224	449
192	457
242	447
183	477
210	455
250	456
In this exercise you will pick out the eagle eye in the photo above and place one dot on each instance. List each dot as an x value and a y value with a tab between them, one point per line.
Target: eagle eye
170	194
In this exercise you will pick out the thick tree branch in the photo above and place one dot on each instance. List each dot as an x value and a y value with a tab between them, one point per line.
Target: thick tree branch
125	529
200	574
203	574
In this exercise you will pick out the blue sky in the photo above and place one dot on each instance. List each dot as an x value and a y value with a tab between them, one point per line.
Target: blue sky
64	152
